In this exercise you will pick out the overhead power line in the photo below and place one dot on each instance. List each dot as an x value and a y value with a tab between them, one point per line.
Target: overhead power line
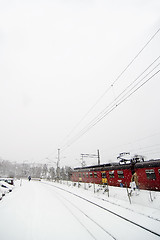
115	101
111	86
115	105
136	55
69	142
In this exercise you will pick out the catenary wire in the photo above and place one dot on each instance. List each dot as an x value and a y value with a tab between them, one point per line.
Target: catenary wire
108	112
111	86
117	98
114	104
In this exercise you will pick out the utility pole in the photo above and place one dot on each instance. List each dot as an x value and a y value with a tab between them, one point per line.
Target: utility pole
98	157
58	169
90	156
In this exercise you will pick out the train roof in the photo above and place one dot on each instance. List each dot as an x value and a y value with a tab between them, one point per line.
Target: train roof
120	165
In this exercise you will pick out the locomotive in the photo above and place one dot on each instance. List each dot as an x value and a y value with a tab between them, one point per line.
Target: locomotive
119	174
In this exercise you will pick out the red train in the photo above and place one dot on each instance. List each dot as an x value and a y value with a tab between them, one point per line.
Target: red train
120	173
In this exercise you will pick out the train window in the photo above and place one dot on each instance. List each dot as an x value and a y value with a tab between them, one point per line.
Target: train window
150	174
159	171
79	174
87	174
103	174
95	174
90	174
111	174
120	174
83	174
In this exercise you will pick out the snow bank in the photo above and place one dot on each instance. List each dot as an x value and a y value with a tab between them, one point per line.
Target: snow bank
146	202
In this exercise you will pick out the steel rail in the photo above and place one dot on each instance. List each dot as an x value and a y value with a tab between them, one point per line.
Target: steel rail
91	219
105	209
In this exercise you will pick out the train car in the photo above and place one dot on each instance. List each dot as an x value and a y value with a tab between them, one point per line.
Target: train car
119	174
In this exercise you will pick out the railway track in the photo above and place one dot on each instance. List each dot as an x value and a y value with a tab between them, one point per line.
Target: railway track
70	205
118	205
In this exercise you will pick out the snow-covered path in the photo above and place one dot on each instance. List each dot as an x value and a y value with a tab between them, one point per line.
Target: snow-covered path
37	211
33	212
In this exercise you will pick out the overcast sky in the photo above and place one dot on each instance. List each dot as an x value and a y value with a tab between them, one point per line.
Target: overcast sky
60	63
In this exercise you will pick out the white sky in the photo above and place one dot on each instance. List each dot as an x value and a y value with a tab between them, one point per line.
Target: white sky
57	58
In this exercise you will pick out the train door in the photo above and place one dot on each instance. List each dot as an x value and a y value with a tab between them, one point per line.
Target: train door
158	188
80	177
104	178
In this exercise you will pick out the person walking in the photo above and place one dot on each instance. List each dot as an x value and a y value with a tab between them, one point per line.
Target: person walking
134	183
134	178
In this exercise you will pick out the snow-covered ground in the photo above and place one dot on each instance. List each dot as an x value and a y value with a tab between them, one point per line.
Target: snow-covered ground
41	210
119	195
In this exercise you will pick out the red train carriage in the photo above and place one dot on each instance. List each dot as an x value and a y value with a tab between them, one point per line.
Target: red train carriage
119	174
